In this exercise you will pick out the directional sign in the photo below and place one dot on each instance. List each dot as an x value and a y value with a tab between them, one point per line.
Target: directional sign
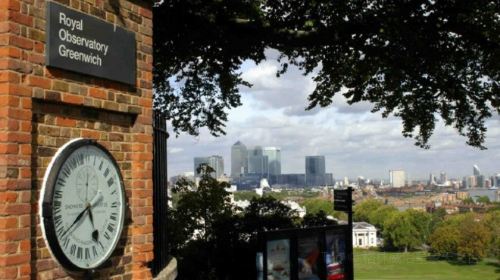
342	200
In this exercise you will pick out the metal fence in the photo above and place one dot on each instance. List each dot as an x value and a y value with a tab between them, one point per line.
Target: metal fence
160	195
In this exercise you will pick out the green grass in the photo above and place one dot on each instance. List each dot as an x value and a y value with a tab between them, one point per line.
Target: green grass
414	265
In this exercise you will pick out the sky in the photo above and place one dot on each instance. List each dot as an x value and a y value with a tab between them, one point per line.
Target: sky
354	141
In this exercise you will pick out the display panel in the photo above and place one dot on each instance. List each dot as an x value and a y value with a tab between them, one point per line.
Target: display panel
335	255
278	259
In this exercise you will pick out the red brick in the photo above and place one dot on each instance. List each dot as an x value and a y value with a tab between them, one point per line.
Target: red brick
14	259
61	121
8	222
21	18
36	81
10	5
8	197
73	99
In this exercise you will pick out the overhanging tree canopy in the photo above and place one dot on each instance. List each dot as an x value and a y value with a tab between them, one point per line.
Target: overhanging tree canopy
414	59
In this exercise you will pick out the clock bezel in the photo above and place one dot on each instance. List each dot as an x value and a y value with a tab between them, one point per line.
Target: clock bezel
46	203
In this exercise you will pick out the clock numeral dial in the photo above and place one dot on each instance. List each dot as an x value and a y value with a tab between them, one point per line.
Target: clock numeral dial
87	201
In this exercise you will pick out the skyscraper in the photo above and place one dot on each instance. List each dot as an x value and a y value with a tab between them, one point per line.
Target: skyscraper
397	178
274	159
273	155
215	162
315	170
475	170
258	162
239	160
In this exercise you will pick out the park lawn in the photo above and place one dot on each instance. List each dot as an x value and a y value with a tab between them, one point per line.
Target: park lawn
371	265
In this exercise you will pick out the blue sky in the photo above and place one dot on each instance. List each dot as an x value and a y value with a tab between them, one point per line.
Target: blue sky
354	141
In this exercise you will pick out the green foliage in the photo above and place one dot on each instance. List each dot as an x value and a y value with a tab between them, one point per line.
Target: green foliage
378	216
317	219
483	199
317	205
466	237
419	61
474	240
401	233
363	210
468	200
444	242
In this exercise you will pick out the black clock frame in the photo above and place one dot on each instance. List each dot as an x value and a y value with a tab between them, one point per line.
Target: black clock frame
47	203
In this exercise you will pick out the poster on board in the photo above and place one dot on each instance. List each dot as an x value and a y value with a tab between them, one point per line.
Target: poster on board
278	259
308	257
335	256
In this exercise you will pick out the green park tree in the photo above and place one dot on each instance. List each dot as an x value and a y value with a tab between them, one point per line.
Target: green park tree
443	242
406	230
420	61
363	210
378	216
316	205
474	240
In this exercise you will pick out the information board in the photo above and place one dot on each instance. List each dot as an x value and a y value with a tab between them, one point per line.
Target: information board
89	45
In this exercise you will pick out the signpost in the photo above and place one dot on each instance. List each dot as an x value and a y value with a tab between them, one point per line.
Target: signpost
342	201
89	45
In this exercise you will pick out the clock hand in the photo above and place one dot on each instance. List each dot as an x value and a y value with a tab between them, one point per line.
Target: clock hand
76	220
95	233
94	200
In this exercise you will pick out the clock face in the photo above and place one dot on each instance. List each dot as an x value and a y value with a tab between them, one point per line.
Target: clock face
83	205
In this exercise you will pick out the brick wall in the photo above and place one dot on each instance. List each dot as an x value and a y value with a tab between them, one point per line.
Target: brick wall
42	108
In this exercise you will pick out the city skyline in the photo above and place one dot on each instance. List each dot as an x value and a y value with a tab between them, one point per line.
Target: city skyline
354	141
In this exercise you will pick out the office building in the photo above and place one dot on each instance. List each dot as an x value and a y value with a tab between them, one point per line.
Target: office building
258	162
239	160
397	178
315	171
475	170
273	155
215	162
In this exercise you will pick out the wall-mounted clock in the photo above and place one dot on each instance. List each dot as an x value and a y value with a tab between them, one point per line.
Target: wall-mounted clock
82	205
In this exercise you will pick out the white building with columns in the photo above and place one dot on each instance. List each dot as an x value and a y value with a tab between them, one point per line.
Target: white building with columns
364	235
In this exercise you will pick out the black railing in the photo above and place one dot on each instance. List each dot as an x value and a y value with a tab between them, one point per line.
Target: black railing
160	195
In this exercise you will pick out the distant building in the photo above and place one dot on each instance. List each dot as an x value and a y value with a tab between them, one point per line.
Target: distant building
292	180
397	178
471	182
475	170
239	160
273	155
215	162
258	163
443	178
364	235
315	171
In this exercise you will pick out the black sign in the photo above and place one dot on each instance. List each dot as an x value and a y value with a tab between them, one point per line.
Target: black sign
342	200
88	45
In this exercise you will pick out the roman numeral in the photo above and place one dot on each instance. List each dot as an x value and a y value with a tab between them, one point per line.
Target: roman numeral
80	159
94	250
57	194
113	216
101	245
111	181
100	165
57	221
79	252
106	172
111	227
61	182
87	253
66	171
72	251
114	204
65	243
113	192
107	235
57	206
